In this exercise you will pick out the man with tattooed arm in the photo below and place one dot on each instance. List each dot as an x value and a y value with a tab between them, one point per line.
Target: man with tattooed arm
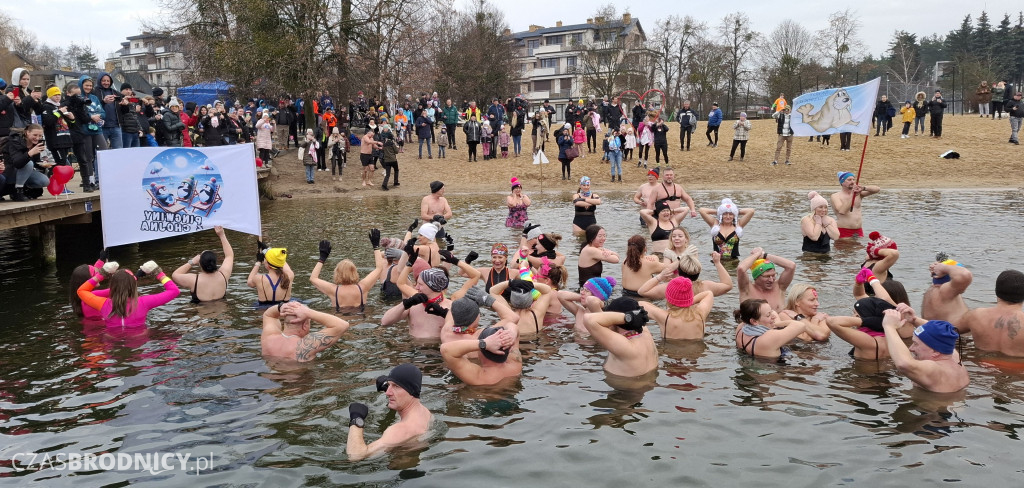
998	328
286	332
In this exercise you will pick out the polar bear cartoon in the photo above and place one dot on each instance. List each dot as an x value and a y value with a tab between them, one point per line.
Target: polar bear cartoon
835	112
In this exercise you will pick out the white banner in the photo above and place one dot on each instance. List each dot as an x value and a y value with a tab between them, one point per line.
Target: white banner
835	110
155	192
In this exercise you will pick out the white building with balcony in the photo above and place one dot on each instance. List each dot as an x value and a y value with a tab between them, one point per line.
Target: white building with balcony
156	57
551	58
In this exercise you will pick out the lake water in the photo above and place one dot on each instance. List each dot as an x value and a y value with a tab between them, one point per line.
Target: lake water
197	384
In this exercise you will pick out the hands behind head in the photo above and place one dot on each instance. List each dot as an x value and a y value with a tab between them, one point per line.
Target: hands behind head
892	318
500	342
757	251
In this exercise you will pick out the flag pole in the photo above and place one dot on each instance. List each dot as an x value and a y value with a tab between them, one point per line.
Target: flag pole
859	169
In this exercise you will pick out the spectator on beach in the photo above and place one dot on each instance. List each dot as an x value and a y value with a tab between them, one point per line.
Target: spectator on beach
920	110
936	107
741	133
884	112
687	118
998	92
1015	109
983	97
714	121
785	132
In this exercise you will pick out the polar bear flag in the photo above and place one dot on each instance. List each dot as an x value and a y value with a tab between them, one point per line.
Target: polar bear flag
156	192
835	110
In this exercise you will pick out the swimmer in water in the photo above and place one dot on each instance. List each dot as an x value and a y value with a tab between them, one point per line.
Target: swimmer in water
997	328
211	283
660	222
727	223
348	293
687	313
802	305
847	205
286	332
931	361
622	330
760	333
593	254
943	300
638	267
123	307
593	296
79	276
277	288
764	281
499	357
818	228
864	330
584	203
402	387
688	266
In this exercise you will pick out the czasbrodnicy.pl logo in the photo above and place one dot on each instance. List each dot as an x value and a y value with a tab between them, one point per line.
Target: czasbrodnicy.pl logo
152	462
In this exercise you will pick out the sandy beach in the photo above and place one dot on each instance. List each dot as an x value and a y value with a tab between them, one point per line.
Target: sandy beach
987	160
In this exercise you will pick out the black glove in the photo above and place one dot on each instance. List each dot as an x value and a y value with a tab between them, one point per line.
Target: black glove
410	249
471	257
105	255
375	238
450	241
414	225
261	250
436	309
480	297
528	228
448	257
441	234
414	300
440	219
357	411
635	320
325	250
382	383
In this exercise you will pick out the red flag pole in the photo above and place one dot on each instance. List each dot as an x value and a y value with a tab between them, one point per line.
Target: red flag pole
859	169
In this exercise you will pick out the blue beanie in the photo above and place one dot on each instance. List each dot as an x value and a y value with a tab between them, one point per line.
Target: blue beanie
600	287
939	335
843	175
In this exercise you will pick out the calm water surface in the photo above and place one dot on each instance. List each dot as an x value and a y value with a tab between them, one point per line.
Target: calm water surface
196	383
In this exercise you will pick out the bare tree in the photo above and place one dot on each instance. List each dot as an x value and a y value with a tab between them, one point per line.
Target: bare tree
783	53
472	58
708	68
671	46
739	40
904	61
840	40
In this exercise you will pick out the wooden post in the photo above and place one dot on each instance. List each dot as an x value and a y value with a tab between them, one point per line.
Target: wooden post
48	238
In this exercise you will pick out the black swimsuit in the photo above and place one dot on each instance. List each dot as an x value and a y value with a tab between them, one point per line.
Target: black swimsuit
358	309
195	298
820	246
388	288
592	271
493	278
670	198
584	216
660	234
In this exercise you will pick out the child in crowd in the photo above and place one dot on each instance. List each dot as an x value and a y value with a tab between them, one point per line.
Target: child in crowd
151	137
442	142
629	145
579	137
485	139
908	118
503	139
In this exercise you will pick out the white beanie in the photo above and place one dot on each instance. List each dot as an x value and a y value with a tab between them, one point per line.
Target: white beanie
428	230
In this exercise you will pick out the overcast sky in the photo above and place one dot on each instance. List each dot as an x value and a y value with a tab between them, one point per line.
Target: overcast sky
104	24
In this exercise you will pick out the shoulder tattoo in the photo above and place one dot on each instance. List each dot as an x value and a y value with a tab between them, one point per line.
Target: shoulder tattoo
311	344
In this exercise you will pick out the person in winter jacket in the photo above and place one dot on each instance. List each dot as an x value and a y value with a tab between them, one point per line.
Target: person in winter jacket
173	125
22	155
687	118
474	131
127	107
87	131
714	121
936	107
57	121
109	99
741	133
908	117
883	115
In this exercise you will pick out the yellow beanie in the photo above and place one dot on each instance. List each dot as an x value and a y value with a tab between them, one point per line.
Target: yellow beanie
276	256
50	92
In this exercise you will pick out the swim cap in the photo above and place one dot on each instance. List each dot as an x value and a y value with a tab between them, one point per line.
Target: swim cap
50	92
938	335
428	230
208	261
435	278
944	279
585	180
435	186
679	292
497	358
843	175
600	287
499	249
760	266
816	200
276	256
1010	286
464	311
408	377
871	311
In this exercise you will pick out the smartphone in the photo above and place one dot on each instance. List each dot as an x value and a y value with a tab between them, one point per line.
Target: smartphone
16	92
37	88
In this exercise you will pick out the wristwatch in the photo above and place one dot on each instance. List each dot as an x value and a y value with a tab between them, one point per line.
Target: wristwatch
358	422
483	344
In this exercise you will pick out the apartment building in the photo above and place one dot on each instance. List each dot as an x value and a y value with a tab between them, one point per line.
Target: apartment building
553	60
156	57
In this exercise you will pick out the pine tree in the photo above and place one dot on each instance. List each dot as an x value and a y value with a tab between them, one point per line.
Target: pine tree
981	40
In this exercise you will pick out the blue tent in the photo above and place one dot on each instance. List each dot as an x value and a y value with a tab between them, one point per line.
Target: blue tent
204	93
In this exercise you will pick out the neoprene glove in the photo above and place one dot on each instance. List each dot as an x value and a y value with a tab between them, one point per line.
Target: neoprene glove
325	250
357	411
414	225
382	383
440	219
436	309
104	254
441	234
450	241
414	300
375	238
480	297
471	257
448	257
261	251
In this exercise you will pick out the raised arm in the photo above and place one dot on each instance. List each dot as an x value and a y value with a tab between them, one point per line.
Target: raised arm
228	265
745	215
311	344
648	217
724	283
889	258
959	279
743	269
181	275
380	263
788	269
599	325
709	215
